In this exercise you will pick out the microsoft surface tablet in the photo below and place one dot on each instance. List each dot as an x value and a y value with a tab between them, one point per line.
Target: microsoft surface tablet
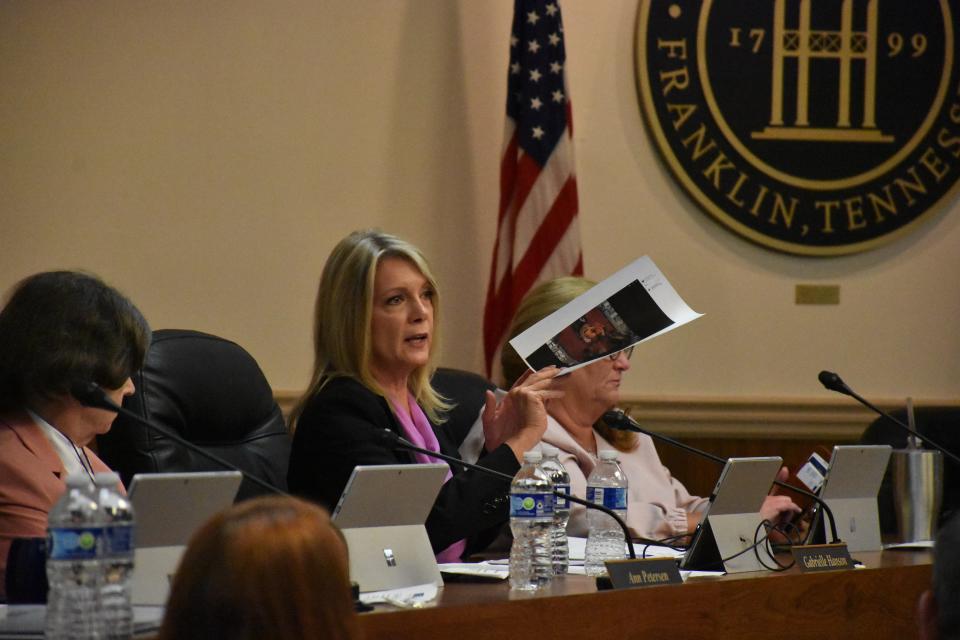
389	495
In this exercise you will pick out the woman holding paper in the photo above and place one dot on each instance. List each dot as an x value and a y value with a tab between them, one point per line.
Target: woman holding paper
659	506
375	343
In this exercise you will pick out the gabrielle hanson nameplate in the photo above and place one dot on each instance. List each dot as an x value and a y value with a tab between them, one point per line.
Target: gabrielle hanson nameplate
823	557
648	572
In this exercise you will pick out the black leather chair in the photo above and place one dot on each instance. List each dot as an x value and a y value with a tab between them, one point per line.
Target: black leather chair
942	424
211	392
467	390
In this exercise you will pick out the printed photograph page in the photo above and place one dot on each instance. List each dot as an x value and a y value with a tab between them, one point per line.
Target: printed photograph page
632	306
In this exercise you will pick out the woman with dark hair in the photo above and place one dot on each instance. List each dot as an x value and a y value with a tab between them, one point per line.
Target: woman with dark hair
57	329
375	343
270	567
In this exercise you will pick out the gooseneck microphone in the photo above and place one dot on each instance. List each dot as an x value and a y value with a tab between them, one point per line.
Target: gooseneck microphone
833	382
618	419
394	441
89	394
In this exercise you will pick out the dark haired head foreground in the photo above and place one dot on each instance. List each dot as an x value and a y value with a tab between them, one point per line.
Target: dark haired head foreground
938	612
270	567
57	328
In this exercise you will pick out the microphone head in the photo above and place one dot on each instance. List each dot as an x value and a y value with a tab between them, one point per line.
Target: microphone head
833	382
619	420
386	437
89	394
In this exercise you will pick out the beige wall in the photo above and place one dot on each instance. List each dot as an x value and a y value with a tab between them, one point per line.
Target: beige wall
205	157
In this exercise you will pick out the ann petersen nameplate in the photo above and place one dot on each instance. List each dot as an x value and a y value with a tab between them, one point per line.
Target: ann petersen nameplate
643	572
817	128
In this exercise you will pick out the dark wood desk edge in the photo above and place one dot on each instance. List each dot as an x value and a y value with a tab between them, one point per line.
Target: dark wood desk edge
849	603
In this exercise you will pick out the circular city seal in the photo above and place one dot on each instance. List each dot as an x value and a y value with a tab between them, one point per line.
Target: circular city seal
816	128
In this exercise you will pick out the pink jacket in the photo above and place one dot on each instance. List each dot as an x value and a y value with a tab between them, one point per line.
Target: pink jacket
31	480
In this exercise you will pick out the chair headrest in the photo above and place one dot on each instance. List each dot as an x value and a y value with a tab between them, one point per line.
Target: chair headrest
203	386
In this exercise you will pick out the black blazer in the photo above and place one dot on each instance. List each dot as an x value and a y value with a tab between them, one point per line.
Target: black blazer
335	433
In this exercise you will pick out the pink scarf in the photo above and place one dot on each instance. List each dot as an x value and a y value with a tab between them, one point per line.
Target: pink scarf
417	429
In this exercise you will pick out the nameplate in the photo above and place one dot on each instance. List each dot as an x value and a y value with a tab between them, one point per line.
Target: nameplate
822	557
647	572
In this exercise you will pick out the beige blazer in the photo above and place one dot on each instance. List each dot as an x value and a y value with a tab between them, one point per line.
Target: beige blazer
657	503
31	480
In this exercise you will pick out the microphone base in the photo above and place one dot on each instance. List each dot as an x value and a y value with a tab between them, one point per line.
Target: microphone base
604	583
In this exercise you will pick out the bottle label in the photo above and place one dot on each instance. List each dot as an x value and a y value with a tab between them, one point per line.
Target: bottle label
119	540
609	497
80	543
561	502
531	505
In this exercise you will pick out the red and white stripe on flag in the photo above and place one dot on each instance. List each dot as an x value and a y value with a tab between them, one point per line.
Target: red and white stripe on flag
538	234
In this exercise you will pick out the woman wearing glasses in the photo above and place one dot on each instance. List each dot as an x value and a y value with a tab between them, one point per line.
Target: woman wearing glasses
659	506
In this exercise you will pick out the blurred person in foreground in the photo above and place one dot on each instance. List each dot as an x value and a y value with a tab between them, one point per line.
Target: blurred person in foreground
659	506
269	567
57	329
376	326
938	611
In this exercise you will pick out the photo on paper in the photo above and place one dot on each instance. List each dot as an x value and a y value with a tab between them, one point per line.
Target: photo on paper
633	305
611	326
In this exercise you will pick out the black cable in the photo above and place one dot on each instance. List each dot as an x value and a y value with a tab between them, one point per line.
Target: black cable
771	527
753	547
663	542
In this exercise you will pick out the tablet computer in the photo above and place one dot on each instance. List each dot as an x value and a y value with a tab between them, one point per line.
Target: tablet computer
381	513
850	488
723	539
389	494
168	508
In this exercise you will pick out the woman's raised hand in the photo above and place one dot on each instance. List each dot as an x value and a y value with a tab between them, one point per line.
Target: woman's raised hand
520	418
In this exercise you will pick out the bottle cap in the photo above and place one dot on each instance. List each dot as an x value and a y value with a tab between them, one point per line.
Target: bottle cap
608	454
77	480
549	450
106	478
532	456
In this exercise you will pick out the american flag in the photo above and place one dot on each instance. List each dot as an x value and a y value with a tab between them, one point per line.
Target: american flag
538	237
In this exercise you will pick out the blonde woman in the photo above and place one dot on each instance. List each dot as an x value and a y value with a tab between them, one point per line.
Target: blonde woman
659	506
375	341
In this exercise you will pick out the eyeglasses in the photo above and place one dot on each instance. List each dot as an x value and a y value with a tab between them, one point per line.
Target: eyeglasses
627	352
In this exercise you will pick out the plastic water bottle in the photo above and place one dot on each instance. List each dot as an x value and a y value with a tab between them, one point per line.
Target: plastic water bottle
606	486
116	609
74	538
558	475
531	521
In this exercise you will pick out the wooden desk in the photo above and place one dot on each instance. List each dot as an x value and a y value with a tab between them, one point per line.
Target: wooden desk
876	602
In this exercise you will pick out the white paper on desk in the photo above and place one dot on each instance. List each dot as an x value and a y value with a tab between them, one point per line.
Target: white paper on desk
644	550
29	620
919	544
700	574
481	569
578	550
633	305
416	596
